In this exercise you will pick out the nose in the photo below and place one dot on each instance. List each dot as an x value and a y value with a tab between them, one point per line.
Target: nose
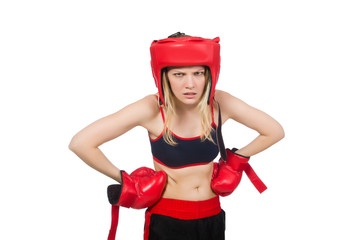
190	82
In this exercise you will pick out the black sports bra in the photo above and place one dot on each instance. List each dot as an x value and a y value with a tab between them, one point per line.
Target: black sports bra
188	151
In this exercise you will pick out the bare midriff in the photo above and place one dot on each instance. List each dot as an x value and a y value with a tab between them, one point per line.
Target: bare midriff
188	183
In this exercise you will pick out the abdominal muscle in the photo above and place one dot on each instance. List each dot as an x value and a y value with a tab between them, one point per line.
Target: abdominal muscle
188	183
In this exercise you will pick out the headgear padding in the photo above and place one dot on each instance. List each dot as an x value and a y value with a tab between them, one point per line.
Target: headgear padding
185	51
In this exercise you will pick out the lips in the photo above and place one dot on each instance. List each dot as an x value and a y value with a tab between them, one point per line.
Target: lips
190	94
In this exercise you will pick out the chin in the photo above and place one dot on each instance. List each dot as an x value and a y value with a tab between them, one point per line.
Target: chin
190	101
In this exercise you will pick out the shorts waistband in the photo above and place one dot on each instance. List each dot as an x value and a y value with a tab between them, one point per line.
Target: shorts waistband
186	210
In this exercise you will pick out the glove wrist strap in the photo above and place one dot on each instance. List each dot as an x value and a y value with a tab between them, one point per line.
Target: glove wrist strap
240	163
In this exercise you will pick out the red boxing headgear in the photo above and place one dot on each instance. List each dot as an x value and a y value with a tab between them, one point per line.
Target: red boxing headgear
185	51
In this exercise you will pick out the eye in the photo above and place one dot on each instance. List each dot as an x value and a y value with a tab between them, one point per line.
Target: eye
178	74
199	73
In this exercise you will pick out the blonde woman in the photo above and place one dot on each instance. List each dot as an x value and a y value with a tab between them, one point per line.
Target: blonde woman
182	119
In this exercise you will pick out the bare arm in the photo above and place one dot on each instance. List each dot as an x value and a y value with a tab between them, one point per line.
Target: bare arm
85	144
270	131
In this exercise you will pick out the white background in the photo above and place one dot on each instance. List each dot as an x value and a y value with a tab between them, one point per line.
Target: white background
64	64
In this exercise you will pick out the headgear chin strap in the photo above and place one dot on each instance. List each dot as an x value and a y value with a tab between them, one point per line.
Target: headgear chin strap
185	51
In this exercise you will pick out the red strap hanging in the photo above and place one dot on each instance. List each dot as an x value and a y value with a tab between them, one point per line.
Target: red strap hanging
255	180
114	224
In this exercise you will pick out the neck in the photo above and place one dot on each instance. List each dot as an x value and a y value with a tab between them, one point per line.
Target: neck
182	109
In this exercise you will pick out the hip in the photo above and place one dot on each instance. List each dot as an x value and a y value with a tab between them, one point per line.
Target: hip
180	219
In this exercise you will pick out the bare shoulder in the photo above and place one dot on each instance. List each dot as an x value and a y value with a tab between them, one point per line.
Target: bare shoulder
135	114
236	109
118	123
230	104
148	103
144	109
151	118
222	96
151	107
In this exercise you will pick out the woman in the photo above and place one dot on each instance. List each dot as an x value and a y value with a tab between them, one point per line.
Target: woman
181	121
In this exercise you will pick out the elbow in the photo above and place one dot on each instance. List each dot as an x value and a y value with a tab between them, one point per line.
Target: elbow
276	134
74	145
279	134
79	145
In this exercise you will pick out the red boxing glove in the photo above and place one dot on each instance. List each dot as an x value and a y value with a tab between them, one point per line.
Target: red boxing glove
141	189
227	174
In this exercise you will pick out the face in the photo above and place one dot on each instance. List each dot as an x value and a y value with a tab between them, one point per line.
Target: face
187	83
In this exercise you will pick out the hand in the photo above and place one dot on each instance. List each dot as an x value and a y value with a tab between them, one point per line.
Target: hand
227	174
141	189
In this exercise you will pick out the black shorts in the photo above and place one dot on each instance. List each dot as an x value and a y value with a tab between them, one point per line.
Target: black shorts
172	219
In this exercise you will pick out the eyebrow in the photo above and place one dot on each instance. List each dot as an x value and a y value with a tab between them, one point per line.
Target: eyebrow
181	69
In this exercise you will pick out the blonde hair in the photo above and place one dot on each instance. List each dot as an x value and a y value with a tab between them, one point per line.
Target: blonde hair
203	106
